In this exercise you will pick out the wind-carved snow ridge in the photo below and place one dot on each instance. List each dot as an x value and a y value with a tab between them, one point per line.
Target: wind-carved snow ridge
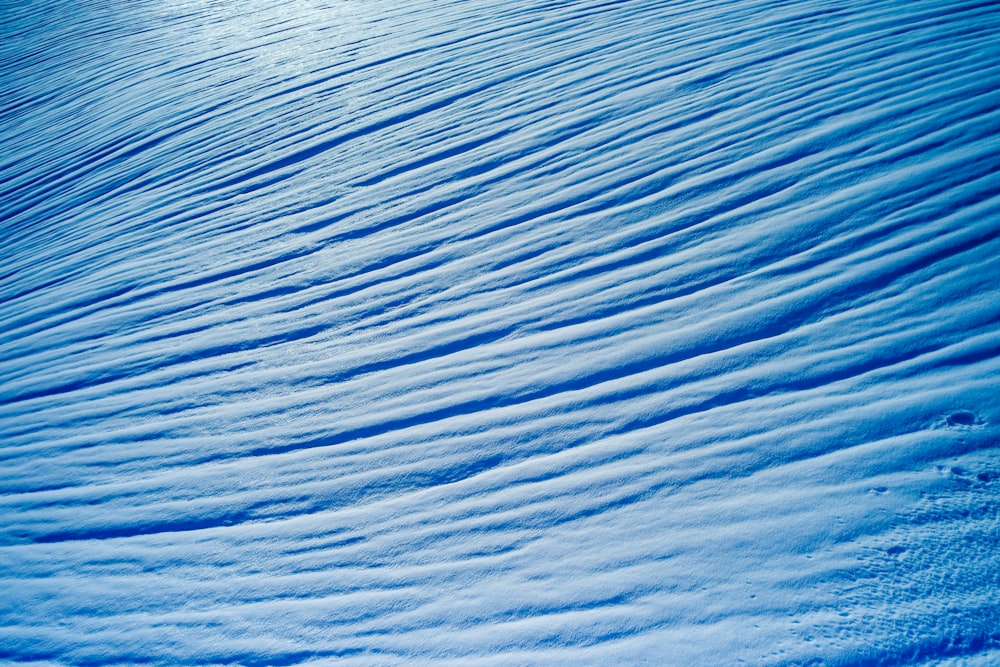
577	332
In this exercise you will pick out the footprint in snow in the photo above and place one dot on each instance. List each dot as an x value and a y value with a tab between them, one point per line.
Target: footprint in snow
964	419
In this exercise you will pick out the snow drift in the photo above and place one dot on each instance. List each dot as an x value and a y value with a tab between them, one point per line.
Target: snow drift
574	332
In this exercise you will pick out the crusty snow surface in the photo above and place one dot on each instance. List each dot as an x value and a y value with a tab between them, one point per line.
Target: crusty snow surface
500	332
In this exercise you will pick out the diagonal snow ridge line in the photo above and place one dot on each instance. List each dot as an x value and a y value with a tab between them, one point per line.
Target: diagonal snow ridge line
574	332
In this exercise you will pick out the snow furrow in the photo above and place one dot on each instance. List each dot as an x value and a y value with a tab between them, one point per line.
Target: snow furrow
506	333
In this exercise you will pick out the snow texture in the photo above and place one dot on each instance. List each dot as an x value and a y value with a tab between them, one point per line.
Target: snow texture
482	332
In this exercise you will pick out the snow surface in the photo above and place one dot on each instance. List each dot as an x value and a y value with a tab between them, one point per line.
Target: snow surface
481	332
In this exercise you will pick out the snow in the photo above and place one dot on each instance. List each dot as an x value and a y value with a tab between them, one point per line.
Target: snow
576	332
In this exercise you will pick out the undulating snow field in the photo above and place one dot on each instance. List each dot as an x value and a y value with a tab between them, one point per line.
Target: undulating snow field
500	332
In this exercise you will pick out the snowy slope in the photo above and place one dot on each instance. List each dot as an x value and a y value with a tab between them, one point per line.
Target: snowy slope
480	332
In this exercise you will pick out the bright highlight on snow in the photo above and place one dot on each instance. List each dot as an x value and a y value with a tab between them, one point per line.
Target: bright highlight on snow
481	332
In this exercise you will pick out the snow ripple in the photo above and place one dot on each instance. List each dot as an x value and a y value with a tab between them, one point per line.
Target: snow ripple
500	332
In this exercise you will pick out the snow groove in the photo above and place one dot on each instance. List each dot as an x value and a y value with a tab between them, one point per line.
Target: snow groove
503	332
